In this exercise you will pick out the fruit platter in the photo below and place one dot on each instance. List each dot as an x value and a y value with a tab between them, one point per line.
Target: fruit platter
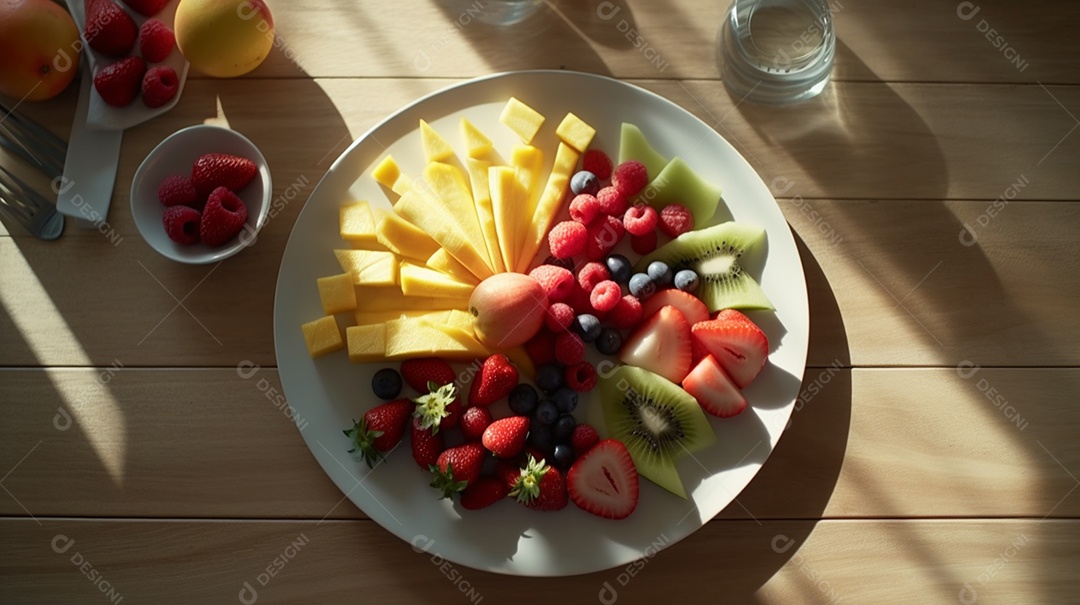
541	323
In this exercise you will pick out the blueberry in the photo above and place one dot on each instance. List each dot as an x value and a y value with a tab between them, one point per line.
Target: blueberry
642	286
660	273
563	456
563	428
587	326
523	399
609	341
546	413
549	377
686	280
386	384
541	438
584	182
565	399
619	267
565	263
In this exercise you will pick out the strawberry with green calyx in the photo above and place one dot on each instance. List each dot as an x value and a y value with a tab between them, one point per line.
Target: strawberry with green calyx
485	492
380	430
426	444
540	487
433	407
457	468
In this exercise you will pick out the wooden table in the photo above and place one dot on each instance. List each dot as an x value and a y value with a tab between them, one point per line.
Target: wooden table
934	192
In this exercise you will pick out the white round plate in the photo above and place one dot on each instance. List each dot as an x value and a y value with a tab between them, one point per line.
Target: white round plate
328	393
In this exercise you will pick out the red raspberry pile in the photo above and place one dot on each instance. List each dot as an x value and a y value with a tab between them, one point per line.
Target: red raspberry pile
112	33
204	206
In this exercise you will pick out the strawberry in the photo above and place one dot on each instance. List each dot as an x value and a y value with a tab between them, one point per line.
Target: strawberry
159	86
426	444
508	472
506	436
147	8
380	429
223	217
118	84
661	345
583	438
540	487
482	494
214	170
109	30
604	481
177	190
496	378
439	408
156	41
713	389
181	224
691	306
736	342
473	422
457	468
417	373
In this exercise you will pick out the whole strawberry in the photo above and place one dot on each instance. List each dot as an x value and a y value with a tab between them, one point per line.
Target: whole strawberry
147	8
496	378
482	494
223	217
380	429
540	487
505	438
417	373
426	444
118	84
474	421
457	468
439	407
214	170
109	30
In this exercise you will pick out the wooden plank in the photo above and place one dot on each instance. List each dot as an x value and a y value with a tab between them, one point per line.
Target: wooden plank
868	443
890	40
1003	561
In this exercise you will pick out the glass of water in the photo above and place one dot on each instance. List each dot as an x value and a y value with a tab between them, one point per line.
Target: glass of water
494	12
776	51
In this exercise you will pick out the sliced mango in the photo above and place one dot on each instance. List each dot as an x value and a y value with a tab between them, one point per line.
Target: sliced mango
421	281
507	201
337	293
367	318
451	189
390	298
443	262
481	191
522	119
477	144
404	238
414	337
529	162
369	267
549	205
322	336
575	132
357	223
436	149
367	343
441	228
387	172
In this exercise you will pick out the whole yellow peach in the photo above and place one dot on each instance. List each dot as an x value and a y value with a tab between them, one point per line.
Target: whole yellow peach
224	38
39	49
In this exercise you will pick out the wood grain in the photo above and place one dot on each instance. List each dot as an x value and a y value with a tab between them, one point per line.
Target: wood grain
775	562
863	443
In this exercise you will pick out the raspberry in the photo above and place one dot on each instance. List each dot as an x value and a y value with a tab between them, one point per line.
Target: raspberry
181	224
569	348
541	348
223	217
627	314
556	281
630	178
603	236
159	85
156	41
559	317
675	220
567	239
598	163
591	274
643	244
584	208
581	376
611	201
583	438
605	295
640	219
177	190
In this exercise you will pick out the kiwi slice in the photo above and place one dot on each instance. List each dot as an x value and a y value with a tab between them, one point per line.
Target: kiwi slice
656	420
714	254
634	146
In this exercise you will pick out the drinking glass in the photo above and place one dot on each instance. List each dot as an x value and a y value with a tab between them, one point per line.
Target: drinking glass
776	51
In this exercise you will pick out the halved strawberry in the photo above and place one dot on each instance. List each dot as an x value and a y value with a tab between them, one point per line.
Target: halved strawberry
661	345
713	389
691	306
604	481
736	342
506	436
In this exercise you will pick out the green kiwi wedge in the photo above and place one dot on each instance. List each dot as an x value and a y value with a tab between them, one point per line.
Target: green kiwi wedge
656	420
714	254
634	146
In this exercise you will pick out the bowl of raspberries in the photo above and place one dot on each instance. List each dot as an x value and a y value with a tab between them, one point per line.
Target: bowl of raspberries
201	195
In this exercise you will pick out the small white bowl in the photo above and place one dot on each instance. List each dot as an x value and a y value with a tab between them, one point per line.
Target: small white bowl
175	155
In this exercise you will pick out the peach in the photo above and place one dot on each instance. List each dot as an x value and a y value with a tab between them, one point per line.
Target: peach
509	309
39	43
224	38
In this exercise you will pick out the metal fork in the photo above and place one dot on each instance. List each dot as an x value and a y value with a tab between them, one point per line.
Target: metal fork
45	151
